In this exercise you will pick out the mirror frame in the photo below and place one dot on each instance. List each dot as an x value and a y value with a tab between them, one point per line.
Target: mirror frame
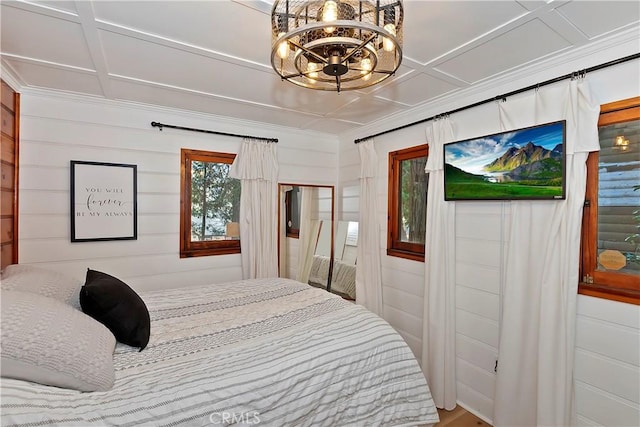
333	213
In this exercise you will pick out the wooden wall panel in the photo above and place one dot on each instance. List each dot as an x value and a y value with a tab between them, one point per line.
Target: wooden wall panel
8	120
10	110
7	179
6	204
8	97
8	152
7	254
6	231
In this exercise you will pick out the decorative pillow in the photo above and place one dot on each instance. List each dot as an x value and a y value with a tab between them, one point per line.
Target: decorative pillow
48	283
48	342
111	302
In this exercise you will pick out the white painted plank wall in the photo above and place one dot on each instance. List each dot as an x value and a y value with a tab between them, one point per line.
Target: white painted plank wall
402	289
479	252
58	128
348	189
608	335
607	359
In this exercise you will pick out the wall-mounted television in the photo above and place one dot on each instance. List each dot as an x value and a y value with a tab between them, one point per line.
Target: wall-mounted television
521	164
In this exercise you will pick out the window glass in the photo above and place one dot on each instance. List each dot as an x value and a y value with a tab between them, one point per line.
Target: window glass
215	200
209	204
610	259
413	201
618	243
408	184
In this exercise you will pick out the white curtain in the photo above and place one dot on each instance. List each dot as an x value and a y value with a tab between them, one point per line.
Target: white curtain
308	236
439	317
256	165
368	267
534	384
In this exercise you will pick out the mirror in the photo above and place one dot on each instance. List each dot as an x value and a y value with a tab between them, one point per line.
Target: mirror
321	261
314	248
306	233
343	278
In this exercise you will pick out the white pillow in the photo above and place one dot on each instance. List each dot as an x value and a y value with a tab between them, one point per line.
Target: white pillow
48	283
48	342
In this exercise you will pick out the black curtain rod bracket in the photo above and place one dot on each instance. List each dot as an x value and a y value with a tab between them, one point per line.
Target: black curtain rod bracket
160	126
502	98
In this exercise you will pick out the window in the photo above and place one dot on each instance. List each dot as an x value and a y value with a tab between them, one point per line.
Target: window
292	203
407	203
209	204
611	222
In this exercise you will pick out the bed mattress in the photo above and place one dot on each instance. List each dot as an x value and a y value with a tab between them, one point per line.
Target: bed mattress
269	352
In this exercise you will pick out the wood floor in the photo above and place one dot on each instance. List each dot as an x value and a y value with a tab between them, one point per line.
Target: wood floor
459	417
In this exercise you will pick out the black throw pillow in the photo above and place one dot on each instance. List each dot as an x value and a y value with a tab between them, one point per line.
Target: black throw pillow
114	304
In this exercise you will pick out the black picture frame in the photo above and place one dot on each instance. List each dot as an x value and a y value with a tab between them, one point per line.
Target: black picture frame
104	202
521	164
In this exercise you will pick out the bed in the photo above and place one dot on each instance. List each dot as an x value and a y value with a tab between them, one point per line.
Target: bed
272	352
343	278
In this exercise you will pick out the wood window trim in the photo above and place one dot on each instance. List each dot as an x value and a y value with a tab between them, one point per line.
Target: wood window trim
412	251
189	248
606	284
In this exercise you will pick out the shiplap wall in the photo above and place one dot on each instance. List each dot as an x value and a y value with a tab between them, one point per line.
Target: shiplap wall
607	363
608	333
58	128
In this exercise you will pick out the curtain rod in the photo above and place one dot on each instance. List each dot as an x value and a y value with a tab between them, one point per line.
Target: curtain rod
504	97
162	125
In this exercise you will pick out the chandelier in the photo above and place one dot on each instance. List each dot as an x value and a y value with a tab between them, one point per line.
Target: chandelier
336	45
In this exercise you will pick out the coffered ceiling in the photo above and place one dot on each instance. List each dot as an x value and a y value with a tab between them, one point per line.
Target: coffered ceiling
214	56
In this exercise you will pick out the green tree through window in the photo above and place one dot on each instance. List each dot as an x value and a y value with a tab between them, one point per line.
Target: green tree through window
413	200
408	181
215	199
209	204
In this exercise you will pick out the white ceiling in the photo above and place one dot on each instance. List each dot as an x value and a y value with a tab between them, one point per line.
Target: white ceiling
214	56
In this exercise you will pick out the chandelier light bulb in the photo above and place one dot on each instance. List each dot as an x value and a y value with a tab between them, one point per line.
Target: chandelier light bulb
313	68
366	66
330	14
283	48
387	43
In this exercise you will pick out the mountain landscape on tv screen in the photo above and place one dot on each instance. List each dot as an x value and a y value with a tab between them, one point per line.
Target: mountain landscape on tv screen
531	171
531	162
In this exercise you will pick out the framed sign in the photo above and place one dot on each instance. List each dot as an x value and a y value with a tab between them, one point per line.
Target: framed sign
103	201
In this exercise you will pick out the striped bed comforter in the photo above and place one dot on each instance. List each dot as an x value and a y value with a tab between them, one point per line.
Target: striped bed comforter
267	352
